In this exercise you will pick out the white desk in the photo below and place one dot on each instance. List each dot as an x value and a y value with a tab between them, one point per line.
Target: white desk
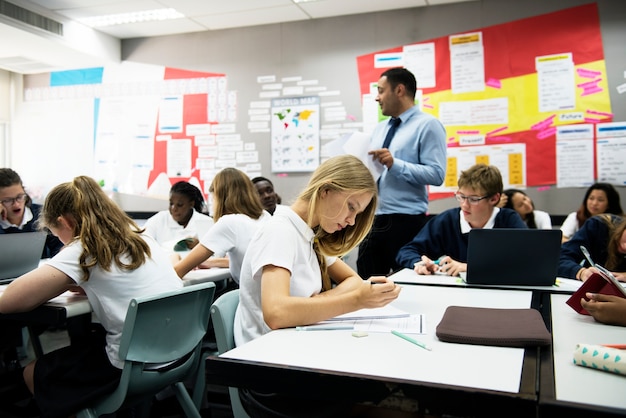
577	384
214	274
386	357
409	276
69	304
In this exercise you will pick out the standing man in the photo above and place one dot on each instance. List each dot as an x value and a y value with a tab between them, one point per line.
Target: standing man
412	146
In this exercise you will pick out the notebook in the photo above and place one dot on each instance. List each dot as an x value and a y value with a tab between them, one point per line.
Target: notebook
517	257
19	254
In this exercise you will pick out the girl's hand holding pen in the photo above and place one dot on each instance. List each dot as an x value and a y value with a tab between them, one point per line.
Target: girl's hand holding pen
379	291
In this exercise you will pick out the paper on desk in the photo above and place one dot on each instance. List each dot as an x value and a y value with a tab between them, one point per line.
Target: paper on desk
383	312
66	297
409	324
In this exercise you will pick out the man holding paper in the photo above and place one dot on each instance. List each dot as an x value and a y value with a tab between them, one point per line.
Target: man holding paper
411	146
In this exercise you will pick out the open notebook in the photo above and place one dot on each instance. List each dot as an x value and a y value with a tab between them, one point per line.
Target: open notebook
19	254
509	256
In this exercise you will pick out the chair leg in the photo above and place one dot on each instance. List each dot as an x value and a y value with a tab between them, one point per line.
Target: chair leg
185	401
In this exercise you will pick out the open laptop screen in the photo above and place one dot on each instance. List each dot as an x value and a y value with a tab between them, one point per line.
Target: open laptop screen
19	253
508	256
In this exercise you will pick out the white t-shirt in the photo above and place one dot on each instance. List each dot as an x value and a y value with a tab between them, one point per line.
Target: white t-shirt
167	232
285	241
570	225
109	293
230	236
542	219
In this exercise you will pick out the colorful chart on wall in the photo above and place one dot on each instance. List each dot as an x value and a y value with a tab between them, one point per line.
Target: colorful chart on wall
295	134
503	91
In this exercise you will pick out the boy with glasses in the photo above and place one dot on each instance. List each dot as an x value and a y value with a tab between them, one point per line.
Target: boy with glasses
441	246
18	213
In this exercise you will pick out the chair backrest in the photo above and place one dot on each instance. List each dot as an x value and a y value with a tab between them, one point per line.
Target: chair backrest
161	347
165	327
223	314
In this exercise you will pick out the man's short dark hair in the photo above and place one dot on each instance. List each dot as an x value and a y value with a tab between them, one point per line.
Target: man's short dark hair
402	76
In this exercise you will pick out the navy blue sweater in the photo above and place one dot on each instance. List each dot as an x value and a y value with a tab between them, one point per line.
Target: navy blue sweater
594	235
442	236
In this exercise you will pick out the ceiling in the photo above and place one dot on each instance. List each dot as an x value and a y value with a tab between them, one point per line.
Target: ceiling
34	50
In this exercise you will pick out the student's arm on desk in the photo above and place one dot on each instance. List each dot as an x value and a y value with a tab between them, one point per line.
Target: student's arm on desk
281	310
213	261
33	289
195	257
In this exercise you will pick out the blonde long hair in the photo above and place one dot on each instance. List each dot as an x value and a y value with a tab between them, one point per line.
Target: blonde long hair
104	230
234	192
344	173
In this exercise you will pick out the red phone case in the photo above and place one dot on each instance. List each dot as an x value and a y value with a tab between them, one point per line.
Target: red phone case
597	283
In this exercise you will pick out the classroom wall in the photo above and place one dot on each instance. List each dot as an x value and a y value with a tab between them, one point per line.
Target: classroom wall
324	50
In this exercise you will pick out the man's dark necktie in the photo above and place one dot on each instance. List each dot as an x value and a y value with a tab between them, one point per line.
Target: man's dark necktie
394	122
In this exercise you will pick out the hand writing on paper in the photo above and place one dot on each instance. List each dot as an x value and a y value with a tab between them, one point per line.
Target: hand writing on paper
451	267
378	291
426	266
383	156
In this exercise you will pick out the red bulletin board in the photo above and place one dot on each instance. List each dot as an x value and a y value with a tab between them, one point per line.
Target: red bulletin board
510	52
194	112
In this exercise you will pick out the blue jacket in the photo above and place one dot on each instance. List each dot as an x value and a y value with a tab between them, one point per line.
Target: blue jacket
53	244
594	235
442	236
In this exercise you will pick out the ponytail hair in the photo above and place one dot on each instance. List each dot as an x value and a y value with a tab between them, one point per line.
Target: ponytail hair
105	231
191	192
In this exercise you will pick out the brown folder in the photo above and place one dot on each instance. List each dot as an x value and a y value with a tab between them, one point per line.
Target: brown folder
489	326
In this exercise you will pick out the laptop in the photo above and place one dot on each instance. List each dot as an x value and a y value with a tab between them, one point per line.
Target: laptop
517	257
19	254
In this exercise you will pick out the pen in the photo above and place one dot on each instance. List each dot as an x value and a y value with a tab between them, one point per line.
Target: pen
618	346
421	263
411	340
324	327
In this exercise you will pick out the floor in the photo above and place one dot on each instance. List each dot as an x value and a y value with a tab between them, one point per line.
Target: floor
16	402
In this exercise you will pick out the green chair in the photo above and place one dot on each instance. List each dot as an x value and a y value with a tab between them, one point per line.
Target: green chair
223	314
161	347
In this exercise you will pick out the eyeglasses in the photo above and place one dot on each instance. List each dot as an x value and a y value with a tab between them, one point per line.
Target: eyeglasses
472	200
21	198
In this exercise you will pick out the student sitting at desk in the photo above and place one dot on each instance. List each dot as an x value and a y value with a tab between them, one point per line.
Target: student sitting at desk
237	213
520	202
183	220
599	198
18	213
604	236
291	275
269	198
445	237
112	262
